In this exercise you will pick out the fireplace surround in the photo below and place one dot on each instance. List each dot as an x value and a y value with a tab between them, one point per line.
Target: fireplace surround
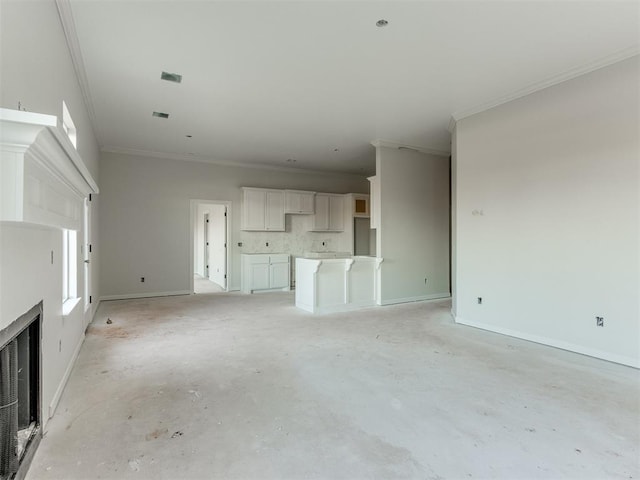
20	393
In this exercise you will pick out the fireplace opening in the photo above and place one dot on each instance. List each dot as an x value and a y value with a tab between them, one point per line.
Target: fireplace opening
20	393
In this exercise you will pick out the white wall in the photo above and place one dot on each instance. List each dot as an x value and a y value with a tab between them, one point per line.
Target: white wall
28	277
145	217
413	237
36	70
556	178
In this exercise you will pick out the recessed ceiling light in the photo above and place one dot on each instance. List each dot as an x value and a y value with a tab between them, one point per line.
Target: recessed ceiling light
160	114
382	23
171	77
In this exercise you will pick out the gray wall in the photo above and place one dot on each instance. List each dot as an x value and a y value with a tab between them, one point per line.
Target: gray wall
547	215
36	70
145	216
413	238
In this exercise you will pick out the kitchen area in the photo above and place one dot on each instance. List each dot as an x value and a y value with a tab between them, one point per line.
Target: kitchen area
321	244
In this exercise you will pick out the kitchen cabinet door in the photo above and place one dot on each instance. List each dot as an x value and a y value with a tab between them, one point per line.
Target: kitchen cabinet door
300	202
329	216
260	276
321	217
274	211
336	213
253	209
279	275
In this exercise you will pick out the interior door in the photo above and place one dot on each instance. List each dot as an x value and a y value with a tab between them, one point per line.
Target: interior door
206	245
218	240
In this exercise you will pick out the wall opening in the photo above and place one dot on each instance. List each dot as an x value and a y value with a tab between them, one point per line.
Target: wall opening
210	241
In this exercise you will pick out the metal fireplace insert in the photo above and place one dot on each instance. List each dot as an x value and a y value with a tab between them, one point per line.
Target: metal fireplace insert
20	393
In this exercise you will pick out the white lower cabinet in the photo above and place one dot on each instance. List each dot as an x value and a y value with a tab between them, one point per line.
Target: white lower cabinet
264	271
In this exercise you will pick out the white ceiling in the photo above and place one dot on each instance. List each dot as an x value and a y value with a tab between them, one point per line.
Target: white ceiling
268	81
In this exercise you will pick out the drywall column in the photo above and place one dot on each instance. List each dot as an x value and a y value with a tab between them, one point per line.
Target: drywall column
454	231
413	236
548	215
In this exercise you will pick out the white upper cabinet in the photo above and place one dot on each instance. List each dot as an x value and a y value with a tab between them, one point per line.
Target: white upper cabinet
298	201
262	209
329	215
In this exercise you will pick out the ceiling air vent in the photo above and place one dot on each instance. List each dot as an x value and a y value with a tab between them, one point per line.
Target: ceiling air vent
171	77
160	114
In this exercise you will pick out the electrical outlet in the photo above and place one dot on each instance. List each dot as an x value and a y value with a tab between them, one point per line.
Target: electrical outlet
323	244
425	280
267	244
600	321
239	244
479	300
141	279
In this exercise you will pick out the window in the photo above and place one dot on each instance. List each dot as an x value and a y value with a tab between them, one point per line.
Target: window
69	265
68	126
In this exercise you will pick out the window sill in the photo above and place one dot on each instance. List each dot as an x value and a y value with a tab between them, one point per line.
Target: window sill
69	305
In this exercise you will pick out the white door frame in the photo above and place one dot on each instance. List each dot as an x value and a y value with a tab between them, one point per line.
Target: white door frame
192	227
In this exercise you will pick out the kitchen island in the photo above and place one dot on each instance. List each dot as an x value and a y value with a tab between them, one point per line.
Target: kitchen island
325	285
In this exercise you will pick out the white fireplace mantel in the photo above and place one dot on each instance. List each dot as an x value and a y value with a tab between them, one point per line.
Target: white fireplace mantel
43	179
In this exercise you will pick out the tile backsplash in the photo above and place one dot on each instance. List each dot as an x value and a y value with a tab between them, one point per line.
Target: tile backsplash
295	240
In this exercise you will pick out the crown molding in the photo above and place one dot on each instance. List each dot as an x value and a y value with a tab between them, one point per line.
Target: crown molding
223	163
549	82
403	146
70	33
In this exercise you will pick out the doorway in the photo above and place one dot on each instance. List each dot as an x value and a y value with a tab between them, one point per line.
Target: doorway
210	261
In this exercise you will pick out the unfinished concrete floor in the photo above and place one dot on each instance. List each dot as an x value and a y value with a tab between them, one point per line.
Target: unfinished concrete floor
247	386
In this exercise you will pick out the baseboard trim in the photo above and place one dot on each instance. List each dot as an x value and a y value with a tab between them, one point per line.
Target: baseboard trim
65	378
420	298
550	342
128	296
339	308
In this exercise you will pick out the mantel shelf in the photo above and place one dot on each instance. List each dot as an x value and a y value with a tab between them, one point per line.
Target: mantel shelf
43	179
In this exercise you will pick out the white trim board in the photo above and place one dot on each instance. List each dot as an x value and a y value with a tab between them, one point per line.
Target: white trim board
71	35
548	82
403	146
550	342
128	296
420	298
63	383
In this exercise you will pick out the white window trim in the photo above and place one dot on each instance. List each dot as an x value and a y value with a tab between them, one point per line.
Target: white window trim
68	126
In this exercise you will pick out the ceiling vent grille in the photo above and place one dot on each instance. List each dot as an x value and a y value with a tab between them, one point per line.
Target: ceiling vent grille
160	114
171	77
